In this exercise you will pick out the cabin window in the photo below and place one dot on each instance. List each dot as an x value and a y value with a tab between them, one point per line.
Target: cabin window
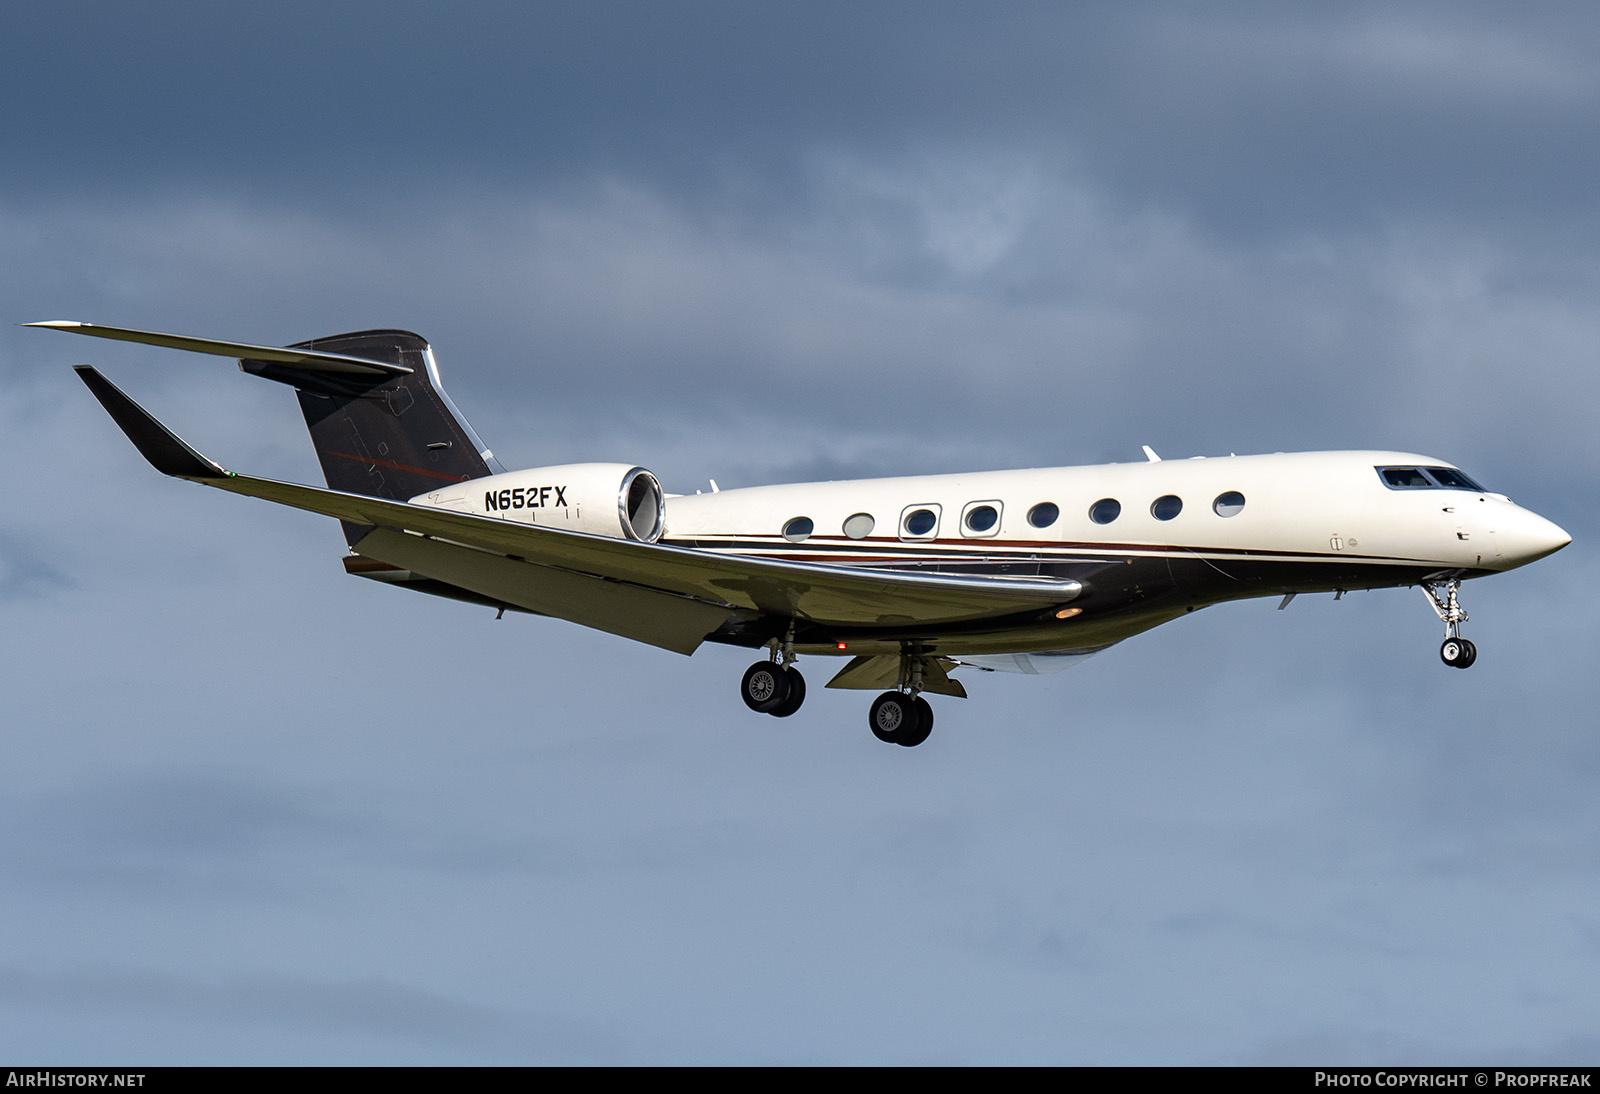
798	528
1105	510
981	518
1230	504
1166	507
859	525
919	522
1044	514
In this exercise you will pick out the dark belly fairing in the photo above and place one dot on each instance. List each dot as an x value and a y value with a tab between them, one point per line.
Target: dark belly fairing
1121	598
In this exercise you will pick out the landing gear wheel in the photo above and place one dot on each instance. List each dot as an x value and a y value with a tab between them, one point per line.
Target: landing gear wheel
891	712
765	686
796	696
1458	653
913	735
899	719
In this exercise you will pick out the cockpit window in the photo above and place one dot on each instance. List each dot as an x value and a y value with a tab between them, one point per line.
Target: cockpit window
1455	480
1427	478
1404	478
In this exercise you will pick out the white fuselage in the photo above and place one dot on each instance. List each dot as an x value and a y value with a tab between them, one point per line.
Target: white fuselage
1325	505
1246	526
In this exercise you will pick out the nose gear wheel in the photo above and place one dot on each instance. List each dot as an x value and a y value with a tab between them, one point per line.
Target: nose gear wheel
1457	652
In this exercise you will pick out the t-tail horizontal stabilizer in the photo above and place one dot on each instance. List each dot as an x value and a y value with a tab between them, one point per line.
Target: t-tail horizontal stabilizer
310	360
166	451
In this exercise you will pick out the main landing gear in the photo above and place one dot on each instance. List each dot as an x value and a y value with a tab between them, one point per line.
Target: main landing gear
1457	652
771	688
775	686
901	717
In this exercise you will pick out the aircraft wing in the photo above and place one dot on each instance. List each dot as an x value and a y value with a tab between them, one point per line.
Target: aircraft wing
668	596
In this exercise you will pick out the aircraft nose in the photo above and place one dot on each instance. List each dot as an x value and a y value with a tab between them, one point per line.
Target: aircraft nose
1522	537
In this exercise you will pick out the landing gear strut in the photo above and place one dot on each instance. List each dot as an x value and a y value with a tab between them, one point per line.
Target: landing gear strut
1457	652
775	686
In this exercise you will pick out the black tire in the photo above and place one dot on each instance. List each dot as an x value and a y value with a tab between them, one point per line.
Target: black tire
1457	653
796	696
764	687
1472	653
890	713
913	735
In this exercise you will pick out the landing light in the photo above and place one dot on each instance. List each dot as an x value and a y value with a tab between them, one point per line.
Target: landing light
1067	613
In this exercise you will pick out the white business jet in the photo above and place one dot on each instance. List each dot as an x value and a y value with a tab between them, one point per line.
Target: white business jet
910	578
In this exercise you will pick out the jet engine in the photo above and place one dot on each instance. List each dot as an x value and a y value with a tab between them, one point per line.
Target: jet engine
602	499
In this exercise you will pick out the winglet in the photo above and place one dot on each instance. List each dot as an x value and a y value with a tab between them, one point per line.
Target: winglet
165	450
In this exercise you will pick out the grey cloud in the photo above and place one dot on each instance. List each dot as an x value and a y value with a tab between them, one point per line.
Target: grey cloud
1354	1046
326	1007
191	836
27	569
1251	120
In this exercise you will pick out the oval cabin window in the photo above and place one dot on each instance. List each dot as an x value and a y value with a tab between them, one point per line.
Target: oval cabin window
859	525
1105	510
1044	514
798	529
1230	504
981	520
919	522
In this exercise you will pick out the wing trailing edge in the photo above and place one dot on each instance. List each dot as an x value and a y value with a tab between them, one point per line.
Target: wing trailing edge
831	595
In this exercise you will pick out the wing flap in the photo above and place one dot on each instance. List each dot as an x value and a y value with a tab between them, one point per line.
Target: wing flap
883	671
659	619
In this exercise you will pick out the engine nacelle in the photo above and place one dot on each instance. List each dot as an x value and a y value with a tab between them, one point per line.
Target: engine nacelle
603	499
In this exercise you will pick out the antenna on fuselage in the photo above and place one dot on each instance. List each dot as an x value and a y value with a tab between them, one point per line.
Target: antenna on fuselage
1150	454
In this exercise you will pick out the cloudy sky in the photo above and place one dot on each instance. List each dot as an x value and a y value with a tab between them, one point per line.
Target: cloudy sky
255	811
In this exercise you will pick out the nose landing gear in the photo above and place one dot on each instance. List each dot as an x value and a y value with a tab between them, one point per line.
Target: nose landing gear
1457	652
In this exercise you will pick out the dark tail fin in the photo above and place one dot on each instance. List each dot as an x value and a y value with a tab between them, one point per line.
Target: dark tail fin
379	418
386	437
